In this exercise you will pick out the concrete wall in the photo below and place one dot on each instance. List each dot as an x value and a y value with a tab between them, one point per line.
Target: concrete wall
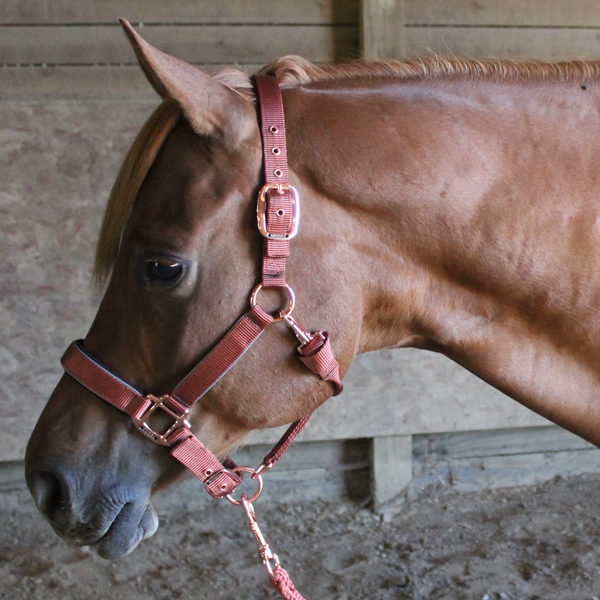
67	120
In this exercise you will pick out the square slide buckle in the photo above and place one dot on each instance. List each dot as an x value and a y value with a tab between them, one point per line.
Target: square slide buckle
261	210
172	409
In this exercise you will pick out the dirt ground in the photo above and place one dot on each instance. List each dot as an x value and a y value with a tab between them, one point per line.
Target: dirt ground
538	542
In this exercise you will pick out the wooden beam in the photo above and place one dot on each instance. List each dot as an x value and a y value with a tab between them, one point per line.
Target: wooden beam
382	28
501	442
560	13
501	42
491	472
82	83
391	464
250	44
12	476
58	12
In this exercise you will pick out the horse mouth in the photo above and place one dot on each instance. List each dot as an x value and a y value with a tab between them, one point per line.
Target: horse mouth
126	531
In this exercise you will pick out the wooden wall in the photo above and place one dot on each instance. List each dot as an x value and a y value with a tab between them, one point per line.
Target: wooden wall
540	29
76	49
71	101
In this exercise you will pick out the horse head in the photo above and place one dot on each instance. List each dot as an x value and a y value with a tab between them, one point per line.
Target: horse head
178	255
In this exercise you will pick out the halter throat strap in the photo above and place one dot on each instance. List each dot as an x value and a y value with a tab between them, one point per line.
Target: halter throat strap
278	214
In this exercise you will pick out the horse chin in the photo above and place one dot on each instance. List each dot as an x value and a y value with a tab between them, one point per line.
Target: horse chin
127	531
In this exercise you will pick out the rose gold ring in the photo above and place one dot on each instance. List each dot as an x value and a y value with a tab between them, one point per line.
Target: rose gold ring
284	313
258	492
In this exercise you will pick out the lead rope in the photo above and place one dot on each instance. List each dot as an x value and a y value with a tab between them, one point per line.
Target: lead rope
278	576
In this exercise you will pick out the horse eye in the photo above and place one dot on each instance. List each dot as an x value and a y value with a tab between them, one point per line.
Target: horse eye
162	270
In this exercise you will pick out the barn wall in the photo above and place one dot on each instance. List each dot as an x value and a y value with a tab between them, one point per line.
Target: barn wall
538	29
71	101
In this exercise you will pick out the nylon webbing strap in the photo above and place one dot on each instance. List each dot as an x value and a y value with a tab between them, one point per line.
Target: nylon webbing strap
316	354
279	206
280	223
100	381
225	354
185	447
195	456
285	441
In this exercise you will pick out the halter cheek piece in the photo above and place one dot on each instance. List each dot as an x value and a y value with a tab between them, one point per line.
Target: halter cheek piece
278	217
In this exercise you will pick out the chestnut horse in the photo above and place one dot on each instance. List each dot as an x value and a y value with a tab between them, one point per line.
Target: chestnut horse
448	205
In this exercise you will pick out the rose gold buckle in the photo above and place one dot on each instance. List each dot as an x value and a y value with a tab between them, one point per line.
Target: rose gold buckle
171	408
261	210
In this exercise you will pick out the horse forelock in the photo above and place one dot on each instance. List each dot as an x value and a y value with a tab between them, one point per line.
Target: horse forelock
135	167
133	171
296	71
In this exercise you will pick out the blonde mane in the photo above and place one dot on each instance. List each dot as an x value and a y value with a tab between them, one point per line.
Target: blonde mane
133	171
293	71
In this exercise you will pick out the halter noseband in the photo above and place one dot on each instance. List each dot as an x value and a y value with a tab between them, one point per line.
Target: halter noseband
278	217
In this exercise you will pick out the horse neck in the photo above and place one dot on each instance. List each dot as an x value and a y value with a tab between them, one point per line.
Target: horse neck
465	215
453	197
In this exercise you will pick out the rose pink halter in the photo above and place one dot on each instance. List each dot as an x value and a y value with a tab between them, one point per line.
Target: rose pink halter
278	218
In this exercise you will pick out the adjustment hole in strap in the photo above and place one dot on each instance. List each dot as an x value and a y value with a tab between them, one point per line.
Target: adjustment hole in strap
276	151
278	173
273	129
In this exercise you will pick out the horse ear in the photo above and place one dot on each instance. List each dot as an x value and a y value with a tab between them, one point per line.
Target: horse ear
212	108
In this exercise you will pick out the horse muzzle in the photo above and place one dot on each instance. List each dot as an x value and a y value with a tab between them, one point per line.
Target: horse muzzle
114	521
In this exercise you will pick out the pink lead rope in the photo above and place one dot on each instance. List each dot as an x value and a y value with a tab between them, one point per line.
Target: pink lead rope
278	218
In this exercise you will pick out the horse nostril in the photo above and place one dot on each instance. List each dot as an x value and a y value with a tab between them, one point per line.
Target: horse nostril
49	491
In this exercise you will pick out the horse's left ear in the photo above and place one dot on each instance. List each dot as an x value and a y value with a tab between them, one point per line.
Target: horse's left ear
212	108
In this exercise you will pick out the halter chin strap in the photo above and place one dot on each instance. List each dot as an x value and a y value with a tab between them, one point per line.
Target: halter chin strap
278	214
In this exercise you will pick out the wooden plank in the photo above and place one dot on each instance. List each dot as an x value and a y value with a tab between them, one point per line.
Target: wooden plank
559	13
338	454
332	470
503	442
391	464
197	44
81	83
180	11
382	28
12	476
490	42
470	474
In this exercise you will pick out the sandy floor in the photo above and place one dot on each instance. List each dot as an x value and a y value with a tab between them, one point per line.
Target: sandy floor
517	544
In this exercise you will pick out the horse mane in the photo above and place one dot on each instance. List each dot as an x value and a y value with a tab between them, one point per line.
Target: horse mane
294	71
